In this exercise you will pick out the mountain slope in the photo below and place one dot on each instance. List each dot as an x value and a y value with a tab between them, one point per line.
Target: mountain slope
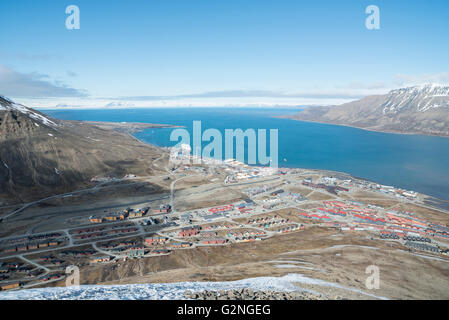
41	156
420	110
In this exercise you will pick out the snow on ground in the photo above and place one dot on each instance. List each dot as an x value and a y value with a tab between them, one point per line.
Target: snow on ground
166	291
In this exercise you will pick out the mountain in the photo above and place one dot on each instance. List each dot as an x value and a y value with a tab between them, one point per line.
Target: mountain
415	110
41	156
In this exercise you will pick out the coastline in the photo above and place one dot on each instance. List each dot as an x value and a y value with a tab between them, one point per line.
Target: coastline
427	199
127	127
366	129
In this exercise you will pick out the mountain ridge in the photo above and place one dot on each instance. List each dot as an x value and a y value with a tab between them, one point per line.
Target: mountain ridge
41	156
412	110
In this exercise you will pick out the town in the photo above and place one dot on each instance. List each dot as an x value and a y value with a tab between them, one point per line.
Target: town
274	202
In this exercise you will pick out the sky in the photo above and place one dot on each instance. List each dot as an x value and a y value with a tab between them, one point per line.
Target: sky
209	52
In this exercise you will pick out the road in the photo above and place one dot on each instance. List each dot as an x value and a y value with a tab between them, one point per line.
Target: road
34	263
95	188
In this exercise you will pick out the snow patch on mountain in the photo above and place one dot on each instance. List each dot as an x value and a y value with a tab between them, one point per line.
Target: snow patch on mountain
8	105
417	98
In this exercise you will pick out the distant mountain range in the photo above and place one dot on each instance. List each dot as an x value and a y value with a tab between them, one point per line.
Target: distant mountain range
42	156
412	110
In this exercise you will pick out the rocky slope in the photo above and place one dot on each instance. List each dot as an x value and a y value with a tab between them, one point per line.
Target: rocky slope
416	110
41	156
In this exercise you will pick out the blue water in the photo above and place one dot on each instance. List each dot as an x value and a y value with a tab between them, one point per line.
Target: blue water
413	162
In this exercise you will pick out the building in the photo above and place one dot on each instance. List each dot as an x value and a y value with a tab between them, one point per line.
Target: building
136	252
10	249
9	286
189	231
221	208
155	240
32	246
213	216
22	247
96	220
42	244
135	214
178	245
111	218
422	246
164	208
101	259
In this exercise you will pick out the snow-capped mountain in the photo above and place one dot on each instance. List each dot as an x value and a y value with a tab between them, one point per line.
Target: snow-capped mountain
419	109
419	99
8	105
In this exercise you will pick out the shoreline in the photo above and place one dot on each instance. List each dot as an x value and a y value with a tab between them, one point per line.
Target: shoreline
365	129
127	127
427	197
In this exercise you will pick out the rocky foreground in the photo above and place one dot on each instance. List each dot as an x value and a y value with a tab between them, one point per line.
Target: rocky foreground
249	294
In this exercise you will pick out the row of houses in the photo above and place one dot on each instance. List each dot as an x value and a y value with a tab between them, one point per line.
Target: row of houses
246	234
155	240
105	233
262	219
87	230
290	228
33	238
269	224
333	212
248	239
314	216
127	213
179	245
30	246
389	236
419	239
422	246
101	259
164	208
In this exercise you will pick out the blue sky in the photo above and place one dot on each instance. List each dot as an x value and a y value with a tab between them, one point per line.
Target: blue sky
207	49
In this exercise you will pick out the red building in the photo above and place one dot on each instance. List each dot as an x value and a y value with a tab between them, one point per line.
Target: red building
190	231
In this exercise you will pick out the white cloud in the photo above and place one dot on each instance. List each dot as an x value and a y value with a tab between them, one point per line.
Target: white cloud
406	80
33	85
